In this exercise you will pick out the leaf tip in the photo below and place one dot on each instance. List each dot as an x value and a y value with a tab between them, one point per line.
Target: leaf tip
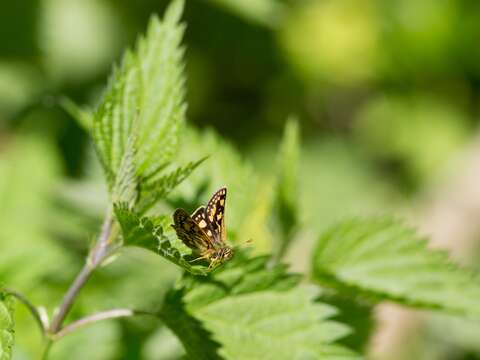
174	11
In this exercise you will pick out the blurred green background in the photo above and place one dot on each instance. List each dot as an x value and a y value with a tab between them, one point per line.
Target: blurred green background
386	92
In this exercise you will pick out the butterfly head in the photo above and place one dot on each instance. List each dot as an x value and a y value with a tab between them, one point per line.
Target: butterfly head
221	255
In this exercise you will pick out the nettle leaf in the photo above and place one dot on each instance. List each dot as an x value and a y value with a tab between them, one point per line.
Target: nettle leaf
354	312
83	116
152	192
163	104
285	325
113	119
250	311
149	233
125	188
384	259
147	91
197	341
287	188
7	326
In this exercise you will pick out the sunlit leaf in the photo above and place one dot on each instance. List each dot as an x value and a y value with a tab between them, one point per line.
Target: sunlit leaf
153	191
145	93
7	326
250	311
384	259
125	188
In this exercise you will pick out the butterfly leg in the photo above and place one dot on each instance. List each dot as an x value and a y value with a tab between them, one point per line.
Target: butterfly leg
212	264
200	258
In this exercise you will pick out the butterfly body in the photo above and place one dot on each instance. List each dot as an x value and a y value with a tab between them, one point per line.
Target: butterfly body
204	231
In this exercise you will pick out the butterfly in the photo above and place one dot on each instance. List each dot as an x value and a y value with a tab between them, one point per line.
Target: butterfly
204	231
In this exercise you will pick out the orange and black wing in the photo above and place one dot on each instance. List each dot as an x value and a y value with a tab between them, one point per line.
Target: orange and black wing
215	215
190	232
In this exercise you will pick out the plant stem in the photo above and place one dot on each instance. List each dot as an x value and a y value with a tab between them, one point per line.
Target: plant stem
98	254
46	349
33	310
104	315
69	297
101	248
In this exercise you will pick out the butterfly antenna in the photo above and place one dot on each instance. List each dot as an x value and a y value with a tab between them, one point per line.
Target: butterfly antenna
199	258
245	244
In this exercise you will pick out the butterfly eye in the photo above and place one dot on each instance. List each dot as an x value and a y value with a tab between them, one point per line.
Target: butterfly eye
228	253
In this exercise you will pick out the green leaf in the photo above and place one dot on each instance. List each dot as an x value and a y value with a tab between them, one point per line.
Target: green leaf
125	187
7	326
83	116
356	314
285	325
384	259
287	190
163	89
147	91
250	311
156	190
113	119
196	341
148	233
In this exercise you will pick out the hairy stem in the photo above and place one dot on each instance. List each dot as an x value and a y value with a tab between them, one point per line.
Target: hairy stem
99	252
101	248
104	315
69	297
33	310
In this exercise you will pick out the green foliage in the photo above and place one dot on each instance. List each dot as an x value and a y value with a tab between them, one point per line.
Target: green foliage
196	341
83	116
145	97
252	312
97	342
265	12
385	260
440	128
136	131
154	191
333	177
287	192
289	322
136	127
7	326
356	314
26	208
249	307
125	188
